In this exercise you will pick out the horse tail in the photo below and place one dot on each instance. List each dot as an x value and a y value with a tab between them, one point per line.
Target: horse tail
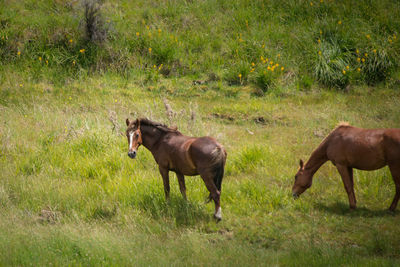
219	159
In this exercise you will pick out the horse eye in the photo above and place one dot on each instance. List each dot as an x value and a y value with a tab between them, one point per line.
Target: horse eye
137	135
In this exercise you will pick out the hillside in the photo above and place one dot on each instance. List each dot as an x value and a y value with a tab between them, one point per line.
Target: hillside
69	193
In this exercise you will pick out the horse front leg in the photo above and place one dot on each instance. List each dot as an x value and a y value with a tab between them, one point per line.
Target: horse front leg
165	176
347	177
182	186
395	171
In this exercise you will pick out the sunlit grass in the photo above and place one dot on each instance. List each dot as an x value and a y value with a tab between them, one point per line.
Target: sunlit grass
61	156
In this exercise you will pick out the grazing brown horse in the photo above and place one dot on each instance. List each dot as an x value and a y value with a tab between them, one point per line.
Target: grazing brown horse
181	154
349	147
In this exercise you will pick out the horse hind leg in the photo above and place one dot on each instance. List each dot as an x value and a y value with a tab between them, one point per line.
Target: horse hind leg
395	171
208	178
182	186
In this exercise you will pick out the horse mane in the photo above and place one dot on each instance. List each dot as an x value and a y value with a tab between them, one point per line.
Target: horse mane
160	126
343	123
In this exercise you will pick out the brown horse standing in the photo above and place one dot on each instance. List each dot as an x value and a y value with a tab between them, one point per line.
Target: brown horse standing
349	147
181	154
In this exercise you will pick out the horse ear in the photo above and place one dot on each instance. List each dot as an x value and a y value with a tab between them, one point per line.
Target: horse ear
301	164
127	122
138	123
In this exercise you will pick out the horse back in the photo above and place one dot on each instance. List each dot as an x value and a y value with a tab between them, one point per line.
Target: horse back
358	148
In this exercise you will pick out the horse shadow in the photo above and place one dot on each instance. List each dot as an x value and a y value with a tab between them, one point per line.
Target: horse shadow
183	212
340	208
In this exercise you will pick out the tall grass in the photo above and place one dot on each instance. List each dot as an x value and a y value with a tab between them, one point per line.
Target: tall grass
192	39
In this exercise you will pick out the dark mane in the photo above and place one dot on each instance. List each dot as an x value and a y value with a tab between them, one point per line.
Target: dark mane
160	126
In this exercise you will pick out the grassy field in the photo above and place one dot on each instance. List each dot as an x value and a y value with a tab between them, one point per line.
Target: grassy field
70	195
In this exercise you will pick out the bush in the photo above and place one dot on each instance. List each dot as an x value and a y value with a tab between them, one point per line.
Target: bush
376	66
264	80
238	74
95	29
331	65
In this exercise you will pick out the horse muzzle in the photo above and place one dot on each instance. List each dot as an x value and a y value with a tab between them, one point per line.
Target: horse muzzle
295	195
132	154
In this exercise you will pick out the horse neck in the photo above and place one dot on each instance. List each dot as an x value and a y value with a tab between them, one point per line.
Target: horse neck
317	158
150	136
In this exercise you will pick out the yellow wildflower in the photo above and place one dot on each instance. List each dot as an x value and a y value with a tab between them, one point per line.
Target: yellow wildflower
71	41
73	62
390	40
347	67
358	69
252	70
268	68
319	53
272	69
150	50
339	22
366	54
252	63
20	85
40	58
240	76
137	33
154	66
82	50
279	55
344	72
271	62
47	62
311	3
368	36
159	30
358	59
321	1
363	59
319	41
282	68
357	51
18	53
374	51
276	65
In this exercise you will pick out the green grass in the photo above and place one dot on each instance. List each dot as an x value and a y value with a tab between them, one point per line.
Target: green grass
194	39
60	156
70	195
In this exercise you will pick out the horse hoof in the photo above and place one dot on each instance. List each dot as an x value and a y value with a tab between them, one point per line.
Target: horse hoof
217	219
218	215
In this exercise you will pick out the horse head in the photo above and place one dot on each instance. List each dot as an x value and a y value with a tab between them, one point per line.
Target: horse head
302	181
134	136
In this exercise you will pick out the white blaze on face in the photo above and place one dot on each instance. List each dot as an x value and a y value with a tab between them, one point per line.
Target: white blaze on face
130	140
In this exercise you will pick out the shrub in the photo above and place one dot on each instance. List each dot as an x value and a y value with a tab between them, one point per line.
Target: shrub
238	74
264	80
376	66
95	29
331	65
